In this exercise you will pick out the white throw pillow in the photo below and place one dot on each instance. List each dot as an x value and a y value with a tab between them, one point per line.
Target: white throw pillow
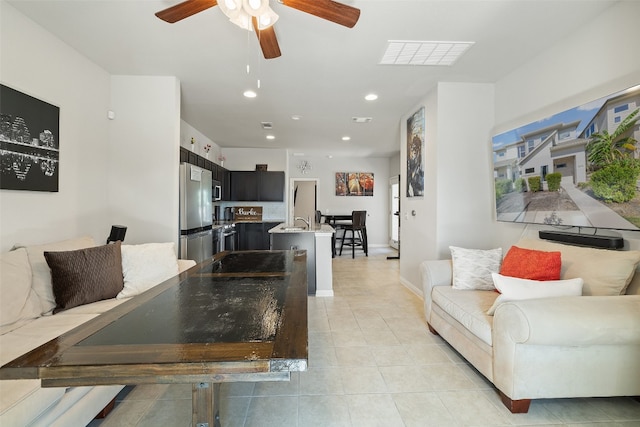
147	265
472	268
18	301
513	289
42	273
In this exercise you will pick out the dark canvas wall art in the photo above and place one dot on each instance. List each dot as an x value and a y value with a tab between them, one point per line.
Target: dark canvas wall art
29	142
415	151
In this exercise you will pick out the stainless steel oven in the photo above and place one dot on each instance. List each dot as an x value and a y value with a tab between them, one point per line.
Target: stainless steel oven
229	237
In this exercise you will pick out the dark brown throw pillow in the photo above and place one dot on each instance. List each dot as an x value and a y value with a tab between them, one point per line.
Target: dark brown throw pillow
85	275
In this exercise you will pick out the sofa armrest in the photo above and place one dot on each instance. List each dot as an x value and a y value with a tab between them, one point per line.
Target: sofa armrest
185	264
569	321
434	273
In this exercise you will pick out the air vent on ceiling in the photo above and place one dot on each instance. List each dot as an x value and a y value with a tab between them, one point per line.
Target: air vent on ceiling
361	119
267	125
406	52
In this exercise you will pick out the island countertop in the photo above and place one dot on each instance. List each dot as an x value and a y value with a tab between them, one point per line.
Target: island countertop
318	229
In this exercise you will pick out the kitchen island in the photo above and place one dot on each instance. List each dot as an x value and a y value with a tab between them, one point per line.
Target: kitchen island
316	240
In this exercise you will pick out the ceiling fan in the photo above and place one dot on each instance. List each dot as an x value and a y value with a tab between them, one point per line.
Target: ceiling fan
256	17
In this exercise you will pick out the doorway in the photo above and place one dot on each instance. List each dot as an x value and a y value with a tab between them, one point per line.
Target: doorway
394	212
303	198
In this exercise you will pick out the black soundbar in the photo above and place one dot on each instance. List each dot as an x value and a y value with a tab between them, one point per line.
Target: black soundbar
614	241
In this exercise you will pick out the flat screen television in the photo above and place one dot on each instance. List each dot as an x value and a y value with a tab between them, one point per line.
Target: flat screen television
544	174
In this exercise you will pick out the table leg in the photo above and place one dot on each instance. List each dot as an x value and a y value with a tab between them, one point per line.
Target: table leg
205	403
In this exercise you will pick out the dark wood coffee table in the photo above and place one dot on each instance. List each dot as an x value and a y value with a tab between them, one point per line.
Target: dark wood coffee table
239	317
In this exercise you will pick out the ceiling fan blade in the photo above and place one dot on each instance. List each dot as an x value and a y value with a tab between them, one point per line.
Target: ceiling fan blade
185	10
268	41
327	9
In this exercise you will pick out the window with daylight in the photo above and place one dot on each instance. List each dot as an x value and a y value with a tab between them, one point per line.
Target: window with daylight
521	152
616	119
621	108
590	130
529	170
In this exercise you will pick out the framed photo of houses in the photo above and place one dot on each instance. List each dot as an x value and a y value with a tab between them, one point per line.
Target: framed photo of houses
354	183
415	154
576	168
29	142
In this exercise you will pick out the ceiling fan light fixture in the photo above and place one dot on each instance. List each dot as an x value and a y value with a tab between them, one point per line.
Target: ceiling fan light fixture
267	19
242	20
231	8
255	7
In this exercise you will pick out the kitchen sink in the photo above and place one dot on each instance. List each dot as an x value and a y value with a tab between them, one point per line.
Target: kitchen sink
293	228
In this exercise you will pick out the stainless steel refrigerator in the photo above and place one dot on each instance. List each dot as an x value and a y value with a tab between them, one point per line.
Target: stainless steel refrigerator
196	235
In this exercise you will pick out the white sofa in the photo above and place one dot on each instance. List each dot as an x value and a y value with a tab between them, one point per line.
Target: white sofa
557	347
26	304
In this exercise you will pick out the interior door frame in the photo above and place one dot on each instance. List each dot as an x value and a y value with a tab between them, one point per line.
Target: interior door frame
292	189
393	181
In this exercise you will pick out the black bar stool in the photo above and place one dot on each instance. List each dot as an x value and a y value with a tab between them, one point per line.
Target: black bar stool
358	229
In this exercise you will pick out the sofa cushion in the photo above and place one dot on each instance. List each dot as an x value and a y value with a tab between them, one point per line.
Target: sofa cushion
23	400
472	268
469	307
147	265
85	275
531	264
514	289
18	301
605	272
41	282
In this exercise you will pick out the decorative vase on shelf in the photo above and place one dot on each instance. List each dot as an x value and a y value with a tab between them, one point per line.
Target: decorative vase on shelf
206	156
222	163
193	148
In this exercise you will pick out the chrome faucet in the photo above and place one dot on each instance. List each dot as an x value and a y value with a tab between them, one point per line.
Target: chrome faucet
306	221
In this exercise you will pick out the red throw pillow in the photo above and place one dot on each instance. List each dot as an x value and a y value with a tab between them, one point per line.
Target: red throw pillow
531	264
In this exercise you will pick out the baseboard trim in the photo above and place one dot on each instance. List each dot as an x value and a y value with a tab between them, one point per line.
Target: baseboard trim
324	293
407	284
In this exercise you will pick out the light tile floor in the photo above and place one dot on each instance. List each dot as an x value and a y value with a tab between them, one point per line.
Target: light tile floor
372	362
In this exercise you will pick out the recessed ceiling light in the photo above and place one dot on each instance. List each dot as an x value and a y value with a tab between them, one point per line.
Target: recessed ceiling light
250	94
296	117
404	52
346	138
361	119
329	156
271	137
371	97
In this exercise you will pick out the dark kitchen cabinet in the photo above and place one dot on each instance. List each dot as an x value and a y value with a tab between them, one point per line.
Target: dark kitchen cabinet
244	186
254	235
261	186
271	186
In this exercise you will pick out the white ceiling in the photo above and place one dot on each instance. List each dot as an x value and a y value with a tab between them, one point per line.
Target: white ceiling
325	69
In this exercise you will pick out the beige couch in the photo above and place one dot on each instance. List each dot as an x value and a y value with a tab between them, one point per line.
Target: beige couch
558	347
26	304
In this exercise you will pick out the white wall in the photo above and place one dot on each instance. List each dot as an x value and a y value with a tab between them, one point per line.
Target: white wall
377	207
457	175
246	159
187	132
595	61
42	66
111	172
144	152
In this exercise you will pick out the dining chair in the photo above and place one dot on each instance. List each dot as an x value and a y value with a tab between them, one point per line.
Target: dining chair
358	229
